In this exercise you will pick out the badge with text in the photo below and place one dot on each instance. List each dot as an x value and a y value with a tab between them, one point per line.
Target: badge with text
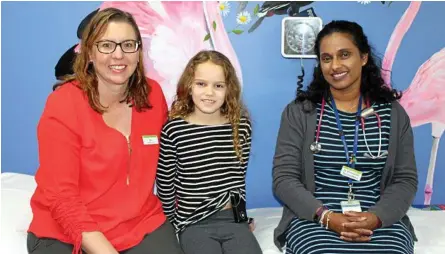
350	206
351	173
150	139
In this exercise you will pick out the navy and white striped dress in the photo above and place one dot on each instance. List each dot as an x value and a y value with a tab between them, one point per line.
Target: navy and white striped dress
308	237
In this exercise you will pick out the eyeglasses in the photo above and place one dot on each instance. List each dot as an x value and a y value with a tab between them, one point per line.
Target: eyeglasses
108	47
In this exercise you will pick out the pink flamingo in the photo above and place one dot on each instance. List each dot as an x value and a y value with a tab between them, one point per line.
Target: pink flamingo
173	32
424	100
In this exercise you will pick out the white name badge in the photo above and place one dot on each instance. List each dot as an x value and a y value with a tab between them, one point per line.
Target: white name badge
351	173
150	139
351	206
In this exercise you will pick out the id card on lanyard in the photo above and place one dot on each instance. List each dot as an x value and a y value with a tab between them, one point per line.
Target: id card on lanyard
348	170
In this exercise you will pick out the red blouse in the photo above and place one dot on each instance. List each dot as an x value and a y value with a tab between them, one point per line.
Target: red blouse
90	178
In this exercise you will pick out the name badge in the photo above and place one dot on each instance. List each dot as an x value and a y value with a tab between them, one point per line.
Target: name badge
351	173
150	139
351	206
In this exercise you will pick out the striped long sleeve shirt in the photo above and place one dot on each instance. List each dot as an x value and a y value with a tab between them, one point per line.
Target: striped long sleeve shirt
198	169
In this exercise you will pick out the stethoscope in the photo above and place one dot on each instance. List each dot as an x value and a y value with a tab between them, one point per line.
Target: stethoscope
316	146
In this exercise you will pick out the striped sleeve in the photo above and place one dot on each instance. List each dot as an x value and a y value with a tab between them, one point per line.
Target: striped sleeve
246	143
166	174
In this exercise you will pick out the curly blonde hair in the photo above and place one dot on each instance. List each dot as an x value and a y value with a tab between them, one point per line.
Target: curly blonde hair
232	108
137	90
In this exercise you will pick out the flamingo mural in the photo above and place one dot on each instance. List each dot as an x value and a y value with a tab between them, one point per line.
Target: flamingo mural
173	32
424	100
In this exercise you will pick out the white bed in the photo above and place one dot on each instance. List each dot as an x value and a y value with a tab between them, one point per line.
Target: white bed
16	190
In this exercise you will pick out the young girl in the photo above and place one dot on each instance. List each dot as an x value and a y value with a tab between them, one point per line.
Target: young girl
204	154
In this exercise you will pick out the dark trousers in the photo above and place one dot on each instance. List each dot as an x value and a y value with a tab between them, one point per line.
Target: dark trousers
219	234
161	241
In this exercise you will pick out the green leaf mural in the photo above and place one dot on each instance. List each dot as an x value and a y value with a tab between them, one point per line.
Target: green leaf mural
237	31
207	37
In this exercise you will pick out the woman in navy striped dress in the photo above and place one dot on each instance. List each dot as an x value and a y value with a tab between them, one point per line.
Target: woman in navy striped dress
354	204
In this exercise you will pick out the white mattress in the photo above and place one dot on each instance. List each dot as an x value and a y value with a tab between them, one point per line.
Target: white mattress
16	190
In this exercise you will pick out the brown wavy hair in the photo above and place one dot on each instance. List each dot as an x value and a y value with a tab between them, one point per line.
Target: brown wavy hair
137	89
232	108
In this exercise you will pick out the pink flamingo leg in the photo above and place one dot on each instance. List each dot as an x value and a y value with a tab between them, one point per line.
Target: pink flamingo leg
428	194
438	130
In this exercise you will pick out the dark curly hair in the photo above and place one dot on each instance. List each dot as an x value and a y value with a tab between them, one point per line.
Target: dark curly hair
372	85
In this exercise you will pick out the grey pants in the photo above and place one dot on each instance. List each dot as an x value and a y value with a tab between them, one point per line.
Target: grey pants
219	234
161	241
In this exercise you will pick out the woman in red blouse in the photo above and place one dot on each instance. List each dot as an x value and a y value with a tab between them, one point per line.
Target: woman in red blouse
98	150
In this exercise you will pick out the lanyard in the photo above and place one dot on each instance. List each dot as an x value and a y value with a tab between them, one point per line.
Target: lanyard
317	135
349	160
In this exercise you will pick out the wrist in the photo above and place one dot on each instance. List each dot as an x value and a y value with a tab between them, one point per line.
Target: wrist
378	223
95	242
328	218
319	213
324	217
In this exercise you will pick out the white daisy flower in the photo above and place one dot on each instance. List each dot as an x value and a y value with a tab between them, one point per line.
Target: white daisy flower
364	2
224	8
243	18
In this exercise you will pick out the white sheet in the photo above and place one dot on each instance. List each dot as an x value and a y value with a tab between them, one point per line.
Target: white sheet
16	191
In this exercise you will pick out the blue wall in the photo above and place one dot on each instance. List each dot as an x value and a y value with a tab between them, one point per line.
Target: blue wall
30	50
34	36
